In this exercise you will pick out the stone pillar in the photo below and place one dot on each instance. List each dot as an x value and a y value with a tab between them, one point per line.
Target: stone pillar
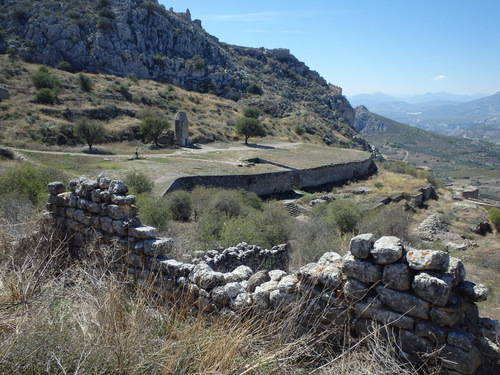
181	129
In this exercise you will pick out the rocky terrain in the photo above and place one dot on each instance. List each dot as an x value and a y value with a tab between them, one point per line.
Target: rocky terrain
143	39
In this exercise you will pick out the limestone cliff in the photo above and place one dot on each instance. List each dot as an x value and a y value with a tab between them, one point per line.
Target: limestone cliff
143	38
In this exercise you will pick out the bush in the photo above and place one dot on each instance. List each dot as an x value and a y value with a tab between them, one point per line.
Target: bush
198	62
299	129
139	183
104	23
106	13
154	211
494	214
29	181
84	82
249	127
251	112
42	79
152	127
390	220
45	96
65	66
344	214
180	204
90	131
254	89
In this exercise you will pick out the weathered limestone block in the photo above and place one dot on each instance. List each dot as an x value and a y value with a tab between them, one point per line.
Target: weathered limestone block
433	260
103	182
472	292
397	276
158	248
82	217
56	187
459	360
331	276
456	270
105	196
330	258
205	277
411	343
276	275
135	260
117	187
361	270
94	207
143	232
403	302
310	273
361	245
72	198
241	302
82	203
120	227
95	222
490	328
372	310
70	213
450	314
107	224
284	302
175	269
355	289
257	279
122	212
435	289
220	296
431	332
73	185
95	195
387	250
123	200
233	289
239	274
88	184
461	339
288	284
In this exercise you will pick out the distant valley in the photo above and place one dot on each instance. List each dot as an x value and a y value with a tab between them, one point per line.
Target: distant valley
462	116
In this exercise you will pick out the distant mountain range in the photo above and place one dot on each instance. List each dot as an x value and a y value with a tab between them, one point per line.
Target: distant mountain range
474	119
379	98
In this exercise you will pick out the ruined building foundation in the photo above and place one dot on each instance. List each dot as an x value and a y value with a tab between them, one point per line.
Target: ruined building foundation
421	298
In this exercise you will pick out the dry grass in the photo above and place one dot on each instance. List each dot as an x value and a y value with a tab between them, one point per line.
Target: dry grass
62	315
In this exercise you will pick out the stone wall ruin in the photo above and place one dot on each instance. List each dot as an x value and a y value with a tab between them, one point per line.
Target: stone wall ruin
420	298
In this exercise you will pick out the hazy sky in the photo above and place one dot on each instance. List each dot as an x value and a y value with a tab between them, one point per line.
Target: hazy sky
365	46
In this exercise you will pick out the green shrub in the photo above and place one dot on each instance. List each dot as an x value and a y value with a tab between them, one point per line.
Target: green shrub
90	131
132	77
152	127
154	211
84	82
139	183
344	214
198	62
45	96
180	204
42	79
106	13
65	66
249	127
29	181
390	220
104	23
254	89
299	129
251	112
494	214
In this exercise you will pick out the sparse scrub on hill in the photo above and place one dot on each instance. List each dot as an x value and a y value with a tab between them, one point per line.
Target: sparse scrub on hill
494	214
90	131
345	214
84	82
154	211
180	204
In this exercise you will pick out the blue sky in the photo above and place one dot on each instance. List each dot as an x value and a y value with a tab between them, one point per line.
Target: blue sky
365	46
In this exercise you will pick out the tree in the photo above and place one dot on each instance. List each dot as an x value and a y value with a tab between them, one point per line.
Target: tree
249	127
152	127
90	130
252	112
84	82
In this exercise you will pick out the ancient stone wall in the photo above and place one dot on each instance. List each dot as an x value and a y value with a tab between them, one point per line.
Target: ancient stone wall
279	182
420	298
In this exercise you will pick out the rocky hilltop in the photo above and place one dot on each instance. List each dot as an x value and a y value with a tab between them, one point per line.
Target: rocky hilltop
142	38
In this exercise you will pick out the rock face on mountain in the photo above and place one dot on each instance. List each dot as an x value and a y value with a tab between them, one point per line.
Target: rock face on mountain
367	122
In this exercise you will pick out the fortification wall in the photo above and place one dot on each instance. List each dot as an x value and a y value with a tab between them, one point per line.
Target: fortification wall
280	182
421	299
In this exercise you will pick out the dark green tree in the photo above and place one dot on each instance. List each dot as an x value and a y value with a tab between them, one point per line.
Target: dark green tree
152	127
249	127
90	131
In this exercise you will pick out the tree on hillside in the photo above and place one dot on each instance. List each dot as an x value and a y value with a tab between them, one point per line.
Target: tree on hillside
90	131
152	127
249	127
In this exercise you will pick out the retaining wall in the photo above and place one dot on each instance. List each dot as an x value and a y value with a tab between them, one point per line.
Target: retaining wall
281	182
420	298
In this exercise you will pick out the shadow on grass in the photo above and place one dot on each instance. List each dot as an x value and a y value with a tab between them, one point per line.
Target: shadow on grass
263	147
96	151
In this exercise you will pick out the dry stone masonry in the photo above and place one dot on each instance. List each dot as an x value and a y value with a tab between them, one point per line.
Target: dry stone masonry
420	298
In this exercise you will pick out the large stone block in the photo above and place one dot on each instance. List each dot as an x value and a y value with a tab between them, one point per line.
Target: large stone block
330	257
159	248
411	343
432	260
461	339
355	289
371	310
403	302
117	187
123	200
361	245
450	314
361	270
56	188
121	212
257	279
464	362
288	284
387	250
456	270
435	289
472	292
431	332
144	232
205	277
397	276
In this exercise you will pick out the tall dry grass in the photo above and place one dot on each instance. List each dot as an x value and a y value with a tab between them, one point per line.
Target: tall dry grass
65	315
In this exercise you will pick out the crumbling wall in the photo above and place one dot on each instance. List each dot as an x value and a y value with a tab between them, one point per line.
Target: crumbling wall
420	297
